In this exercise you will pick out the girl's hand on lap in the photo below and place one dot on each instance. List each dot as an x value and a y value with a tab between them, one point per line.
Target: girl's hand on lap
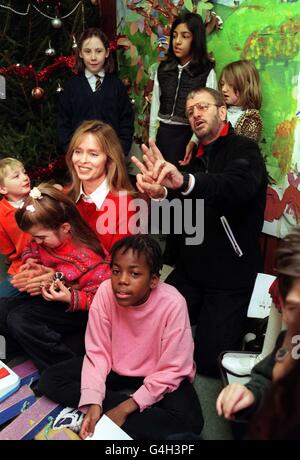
57	292
88	425
117	415
120	413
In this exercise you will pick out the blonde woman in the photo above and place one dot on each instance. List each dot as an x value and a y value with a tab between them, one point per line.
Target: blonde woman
100	185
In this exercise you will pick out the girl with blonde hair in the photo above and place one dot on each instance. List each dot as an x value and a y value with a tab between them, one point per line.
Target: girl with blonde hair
240	84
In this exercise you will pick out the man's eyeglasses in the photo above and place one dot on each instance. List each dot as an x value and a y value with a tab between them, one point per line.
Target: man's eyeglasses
200	108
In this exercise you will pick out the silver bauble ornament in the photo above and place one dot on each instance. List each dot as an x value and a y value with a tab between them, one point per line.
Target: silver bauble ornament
59	88
74	43
56	23
50	51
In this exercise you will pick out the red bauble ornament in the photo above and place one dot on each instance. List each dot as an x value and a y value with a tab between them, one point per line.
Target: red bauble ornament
37	92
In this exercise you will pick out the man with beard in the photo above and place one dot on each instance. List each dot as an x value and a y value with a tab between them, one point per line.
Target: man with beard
217	276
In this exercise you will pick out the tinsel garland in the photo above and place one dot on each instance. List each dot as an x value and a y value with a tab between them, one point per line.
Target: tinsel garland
25	71
46	171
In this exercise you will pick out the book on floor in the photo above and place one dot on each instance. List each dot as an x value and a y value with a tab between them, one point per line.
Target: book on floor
106	429
9	381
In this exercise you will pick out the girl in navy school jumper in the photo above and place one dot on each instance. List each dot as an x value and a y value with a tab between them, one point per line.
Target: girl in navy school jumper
81	101
187	67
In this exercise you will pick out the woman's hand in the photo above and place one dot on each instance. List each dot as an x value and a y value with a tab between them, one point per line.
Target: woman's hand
30	264
57	292
32	280
88	425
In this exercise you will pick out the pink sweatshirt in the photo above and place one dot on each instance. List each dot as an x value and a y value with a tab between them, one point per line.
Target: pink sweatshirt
152	340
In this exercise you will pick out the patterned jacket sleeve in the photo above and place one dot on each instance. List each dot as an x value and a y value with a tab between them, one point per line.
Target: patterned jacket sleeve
31	251
82	296
250	125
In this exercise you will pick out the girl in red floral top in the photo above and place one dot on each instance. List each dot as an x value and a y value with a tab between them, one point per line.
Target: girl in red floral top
64	243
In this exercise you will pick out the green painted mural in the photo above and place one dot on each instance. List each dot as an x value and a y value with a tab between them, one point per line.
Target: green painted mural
266	32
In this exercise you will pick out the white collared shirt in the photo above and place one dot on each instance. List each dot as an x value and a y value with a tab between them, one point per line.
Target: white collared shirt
16	204
92	79
97	196
233	114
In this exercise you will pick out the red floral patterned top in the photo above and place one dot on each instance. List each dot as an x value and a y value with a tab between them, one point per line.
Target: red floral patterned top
83	269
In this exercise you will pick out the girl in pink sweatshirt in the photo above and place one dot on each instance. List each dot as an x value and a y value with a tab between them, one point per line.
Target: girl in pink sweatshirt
138	368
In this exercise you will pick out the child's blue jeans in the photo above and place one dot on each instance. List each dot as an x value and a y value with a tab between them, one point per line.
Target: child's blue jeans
7	289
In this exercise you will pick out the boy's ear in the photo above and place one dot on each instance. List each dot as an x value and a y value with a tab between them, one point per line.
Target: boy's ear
154	281
3	190
65	227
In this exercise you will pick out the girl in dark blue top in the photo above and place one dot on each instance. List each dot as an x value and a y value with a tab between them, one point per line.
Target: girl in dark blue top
95	92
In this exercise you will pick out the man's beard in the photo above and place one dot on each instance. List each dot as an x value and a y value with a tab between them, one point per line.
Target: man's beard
208	135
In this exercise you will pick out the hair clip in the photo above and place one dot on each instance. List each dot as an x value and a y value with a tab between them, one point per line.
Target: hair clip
35	193
30	208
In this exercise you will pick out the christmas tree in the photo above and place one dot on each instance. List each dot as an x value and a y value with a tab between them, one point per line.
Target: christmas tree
37	42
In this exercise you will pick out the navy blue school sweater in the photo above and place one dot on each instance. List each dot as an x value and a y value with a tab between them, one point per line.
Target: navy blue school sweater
110	104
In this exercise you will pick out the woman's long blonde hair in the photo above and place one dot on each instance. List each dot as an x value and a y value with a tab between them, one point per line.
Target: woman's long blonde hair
244	78
107	138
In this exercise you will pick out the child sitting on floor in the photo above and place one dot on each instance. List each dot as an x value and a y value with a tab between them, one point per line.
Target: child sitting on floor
139	339
64	243
14	187
242	401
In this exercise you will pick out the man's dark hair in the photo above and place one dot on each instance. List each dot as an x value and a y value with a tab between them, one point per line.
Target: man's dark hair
217	95
288	262
140	244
